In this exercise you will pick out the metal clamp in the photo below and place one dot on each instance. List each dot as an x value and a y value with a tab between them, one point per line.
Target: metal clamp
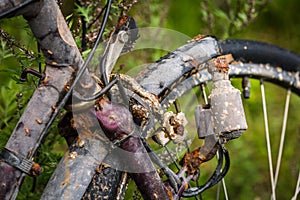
20	162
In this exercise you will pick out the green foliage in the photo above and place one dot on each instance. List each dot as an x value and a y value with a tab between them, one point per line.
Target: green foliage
8	111
220	18
5	52
84	18
13	93
85	12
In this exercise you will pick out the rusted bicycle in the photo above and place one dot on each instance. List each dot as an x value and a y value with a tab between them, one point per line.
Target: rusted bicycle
120	128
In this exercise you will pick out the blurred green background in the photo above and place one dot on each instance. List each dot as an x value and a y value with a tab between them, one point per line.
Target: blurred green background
275	22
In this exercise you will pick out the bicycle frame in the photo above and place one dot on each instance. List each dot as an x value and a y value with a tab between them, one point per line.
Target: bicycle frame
63	64
59	75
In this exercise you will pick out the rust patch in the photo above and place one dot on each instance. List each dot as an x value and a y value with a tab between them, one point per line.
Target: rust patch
53	63
36	169
38	121
101	167
197	38
193	160
27	131
53	108
49	52
80	142
169	193
45	81
73	155
67	87
122	21
222	62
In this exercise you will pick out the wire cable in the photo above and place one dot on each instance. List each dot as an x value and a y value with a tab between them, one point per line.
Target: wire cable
15	8
99	94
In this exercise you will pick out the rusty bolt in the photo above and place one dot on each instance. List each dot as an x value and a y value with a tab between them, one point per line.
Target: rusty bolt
27	131
36	169
38	121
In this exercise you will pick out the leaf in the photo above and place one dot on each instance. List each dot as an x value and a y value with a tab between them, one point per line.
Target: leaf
85	12
221	14
243	17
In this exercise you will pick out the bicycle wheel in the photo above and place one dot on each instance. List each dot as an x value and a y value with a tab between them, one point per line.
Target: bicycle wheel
174	75
254	60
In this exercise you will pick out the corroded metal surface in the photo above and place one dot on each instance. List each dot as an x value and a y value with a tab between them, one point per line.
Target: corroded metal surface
160	76
107	183
173	129
168	79
192	161
75	171
203	118
87	150
227	109
228	114
272	74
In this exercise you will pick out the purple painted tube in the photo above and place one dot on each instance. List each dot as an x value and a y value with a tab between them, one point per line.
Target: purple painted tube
117	123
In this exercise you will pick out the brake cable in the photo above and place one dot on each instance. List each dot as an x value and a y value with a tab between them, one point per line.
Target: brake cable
15	8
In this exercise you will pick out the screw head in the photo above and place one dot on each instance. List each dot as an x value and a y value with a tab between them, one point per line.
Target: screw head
123	37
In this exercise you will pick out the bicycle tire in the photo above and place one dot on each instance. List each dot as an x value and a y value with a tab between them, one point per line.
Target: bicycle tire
242	50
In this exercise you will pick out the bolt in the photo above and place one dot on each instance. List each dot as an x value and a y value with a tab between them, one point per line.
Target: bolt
123	37
36	169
